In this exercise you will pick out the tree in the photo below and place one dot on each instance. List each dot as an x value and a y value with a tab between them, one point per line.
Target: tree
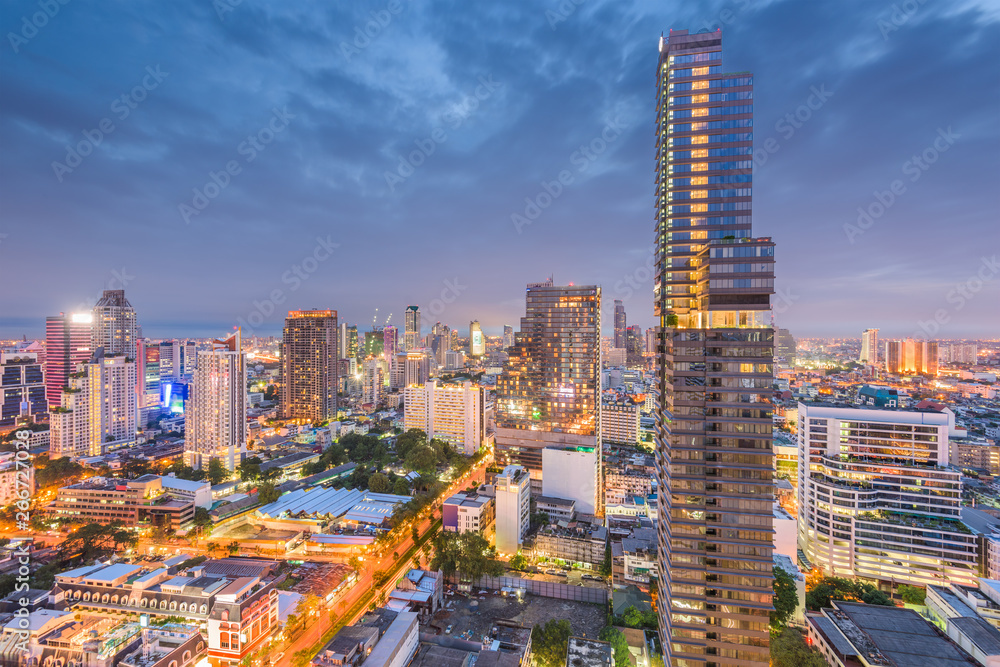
823	590
202	518
549	643
354	563
786	599
212	547
423	459
912	594
415	534
250	469
94	539
217	472
406	441
401	488
789	649
379	483
633	618
267	493
616	638
468	554
233	548
606	563
518	561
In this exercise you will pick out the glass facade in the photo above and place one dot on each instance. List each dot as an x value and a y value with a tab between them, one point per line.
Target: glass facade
309	365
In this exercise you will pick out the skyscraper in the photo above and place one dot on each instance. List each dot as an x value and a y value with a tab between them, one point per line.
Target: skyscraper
869	347
115	326
715	367
548	395
352	342
98	411
411	328
67	344
785	348
309	365
390	342
508	336
620	324
216	422
477	342
635	343
21	387
147	373
911	357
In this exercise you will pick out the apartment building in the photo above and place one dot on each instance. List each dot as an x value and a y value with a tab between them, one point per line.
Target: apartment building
620	421
452	412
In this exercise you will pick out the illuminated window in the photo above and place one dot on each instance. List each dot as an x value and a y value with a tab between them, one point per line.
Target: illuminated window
699	71
699	152
699	85
699	208
699	112
699	194
699	166
699	180
699	99
700	139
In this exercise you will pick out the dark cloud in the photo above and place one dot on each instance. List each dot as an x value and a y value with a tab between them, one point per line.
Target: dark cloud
554	79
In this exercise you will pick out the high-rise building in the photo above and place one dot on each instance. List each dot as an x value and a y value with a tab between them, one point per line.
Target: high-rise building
508	336
352	342
390	342
911	357
342	341
98	411
440	342
513	502
869	348
451	412
309	365
650	341
22	388
477	341
958	353
877	498
147	373
785	348
635	344
216	422
67	344
411	328
115	326
715	366
620	325
373	381
549	392
374	343
418	367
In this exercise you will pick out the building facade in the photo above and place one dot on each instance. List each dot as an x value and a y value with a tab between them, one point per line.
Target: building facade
309	365
621	324
513	507
477	340
869	348
115	326
715	364
216	423
411	328
22	387
451	412
620	422
468	512
911	357
67	344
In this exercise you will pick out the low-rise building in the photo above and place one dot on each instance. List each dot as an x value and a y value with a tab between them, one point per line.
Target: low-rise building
557	509
575	542
464	512
588	653
513	505
134	502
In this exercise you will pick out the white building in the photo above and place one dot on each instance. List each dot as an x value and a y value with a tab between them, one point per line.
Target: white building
574	475
14	479
513	505
99	409
451	412
875	499
477	341
465	512
216	422
620	422
373	381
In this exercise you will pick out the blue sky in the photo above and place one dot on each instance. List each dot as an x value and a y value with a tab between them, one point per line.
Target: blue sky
247	157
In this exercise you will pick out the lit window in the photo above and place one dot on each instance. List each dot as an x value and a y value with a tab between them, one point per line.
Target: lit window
699	166
699	152
699	85
699	99
699	71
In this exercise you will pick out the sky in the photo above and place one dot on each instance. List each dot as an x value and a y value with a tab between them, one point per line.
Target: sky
227	160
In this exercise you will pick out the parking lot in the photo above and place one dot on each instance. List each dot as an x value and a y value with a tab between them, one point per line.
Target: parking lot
471	617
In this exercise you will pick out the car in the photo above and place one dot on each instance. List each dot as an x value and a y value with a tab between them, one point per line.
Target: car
447	630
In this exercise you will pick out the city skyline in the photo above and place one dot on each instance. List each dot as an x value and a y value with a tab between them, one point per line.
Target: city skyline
322	181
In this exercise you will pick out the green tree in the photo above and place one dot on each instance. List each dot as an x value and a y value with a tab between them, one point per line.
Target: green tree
468	554
202	518
423	459
267	493
217	472
212	547
233	548
616	638
789	649
549	643
94	539
250	469
400	487
606	563
826	589
354	563
786	599
518	561
406	441
912	594
379	483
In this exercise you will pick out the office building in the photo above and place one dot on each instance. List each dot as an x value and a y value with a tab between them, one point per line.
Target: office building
309	365
877	499
650	342
549	392
869	348
911	357
513	507
216	423
374	343
342	341
373	382
390	342
148	384
352	342
452	412
411	328
635	342
465	512
620	325
978	456
583	543
22	387
98	411
715	367
477	342
958	353
115	326
418	367
785	348
573	474
508	336
67	344
619	421
177	360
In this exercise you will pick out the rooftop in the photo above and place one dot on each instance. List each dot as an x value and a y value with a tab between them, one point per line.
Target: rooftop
588	653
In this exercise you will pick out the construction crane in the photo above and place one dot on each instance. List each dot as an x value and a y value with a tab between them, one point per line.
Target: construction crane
388	319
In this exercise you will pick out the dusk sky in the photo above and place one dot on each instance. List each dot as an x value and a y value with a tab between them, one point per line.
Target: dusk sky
355	172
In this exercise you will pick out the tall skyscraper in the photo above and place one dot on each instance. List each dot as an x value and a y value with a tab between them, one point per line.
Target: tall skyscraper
713	418
411	328
352	342
309	365
115	326
650	341
148	382
373	379
548	395
635	344
477	341
911	357
390	342
869	347
508	336
216	422
98	411
620	325
785	348
342	341
22	388
67	344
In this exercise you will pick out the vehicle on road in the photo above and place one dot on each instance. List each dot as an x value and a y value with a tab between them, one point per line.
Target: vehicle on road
447	630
